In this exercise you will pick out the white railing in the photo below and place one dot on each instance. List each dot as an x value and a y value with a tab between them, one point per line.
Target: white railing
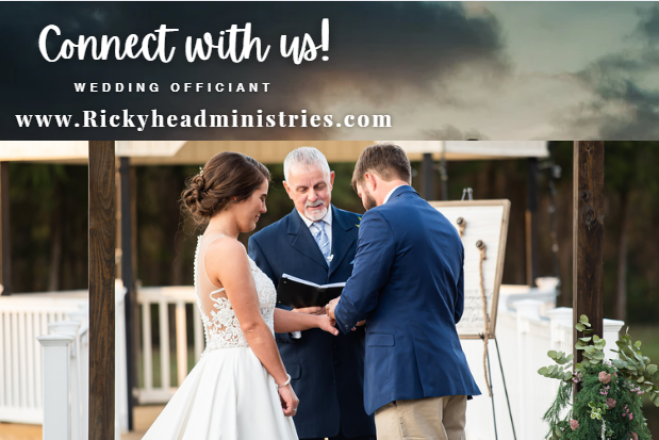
64	415
527	328
31	393
22	319
66	379
163	297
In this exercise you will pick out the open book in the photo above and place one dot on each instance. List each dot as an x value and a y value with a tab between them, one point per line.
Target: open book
298	293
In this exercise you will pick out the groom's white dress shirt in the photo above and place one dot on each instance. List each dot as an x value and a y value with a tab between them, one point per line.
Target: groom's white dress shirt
386	198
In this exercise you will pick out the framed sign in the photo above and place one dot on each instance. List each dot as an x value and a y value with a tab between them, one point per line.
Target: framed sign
483	227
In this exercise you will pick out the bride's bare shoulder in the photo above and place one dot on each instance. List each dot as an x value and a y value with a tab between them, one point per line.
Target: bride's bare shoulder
226	249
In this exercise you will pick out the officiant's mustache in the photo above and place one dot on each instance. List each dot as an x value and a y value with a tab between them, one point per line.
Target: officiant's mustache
318	214
315	204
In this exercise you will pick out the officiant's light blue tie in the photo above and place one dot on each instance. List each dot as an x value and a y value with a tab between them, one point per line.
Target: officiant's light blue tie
319	234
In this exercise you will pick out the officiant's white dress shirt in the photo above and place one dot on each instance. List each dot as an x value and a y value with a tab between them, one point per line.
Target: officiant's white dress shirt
328	223
328	230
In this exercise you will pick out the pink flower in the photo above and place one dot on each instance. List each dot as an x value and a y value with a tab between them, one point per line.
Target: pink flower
611	403
604	377
631	416
615	374
634	436
574	424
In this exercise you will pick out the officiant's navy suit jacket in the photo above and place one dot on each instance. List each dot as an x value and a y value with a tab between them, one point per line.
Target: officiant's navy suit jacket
327	371
408	284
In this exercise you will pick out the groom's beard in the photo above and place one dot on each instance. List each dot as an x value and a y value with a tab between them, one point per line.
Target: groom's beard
369	202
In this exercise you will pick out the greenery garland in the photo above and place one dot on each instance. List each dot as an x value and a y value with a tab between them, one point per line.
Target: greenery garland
608	406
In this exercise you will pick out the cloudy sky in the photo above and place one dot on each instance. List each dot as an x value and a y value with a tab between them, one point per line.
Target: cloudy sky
553	70
487	70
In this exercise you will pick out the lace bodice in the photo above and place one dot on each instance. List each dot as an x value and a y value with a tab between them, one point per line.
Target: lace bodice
221	326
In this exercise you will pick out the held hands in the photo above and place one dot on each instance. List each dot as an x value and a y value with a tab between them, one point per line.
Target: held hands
330	309
322	322
311	310
289	400
331	306
325	323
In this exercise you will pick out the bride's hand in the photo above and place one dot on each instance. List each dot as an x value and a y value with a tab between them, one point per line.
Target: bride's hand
326	323
311	310
289	400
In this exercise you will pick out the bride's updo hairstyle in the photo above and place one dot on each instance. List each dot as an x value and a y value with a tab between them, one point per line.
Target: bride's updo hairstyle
227	178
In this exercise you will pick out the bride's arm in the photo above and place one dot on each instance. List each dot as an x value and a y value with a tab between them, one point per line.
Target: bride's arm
287	321
230	267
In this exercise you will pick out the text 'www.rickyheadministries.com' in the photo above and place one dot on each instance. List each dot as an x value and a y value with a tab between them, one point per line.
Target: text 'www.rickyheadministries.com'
125	119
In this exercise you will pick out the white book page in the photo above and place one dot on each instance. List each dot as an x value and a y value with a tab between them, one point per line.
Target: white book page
312	284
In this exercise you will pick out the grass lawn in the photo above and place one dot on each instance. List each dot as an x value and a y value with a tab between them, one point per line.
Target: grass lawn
649	336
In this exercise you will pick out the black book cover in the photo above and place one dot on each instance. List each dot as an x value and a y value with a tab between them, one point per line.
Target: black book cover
299	293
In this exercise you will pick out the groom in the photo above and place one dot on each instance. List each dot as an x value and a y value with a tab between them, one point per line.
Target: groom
317	242
408	284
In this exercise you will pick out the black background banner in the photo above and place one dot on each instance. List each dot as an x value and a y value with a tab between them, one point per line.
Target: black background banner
376	50
438	70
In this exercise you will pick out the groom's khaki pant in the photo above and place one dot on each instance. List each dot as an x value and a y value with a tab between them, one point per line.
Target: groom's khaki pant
436	418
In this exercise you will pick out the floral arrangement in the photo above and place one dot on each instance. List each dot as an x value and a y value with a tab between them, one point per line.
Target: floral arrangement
608	406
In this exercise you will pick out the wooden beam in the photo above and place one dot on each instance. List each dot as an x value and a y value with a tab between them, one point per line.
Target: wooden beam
588	237
128	280
102	237
428	175
532	221
5	236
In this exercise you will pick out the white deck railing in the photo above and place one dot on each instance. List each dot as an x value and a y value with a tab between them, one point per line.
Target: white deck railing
66	374
22	319
179	296
527	328
49	385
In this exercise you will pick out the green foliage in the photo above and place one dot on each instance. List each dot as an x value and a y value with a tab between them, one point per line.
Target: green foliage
637	367
608	404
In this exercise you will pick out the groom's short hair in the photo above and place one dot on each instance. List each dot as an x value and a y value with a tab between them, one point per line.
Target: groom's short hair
388	161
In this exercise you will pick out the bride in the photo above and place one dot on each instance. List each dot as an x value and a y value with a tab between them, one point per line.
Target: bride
239	389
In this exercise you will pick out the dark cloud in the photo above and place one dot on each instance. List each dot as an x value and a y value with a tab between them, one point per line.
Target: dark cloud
648	26
378	51
626	98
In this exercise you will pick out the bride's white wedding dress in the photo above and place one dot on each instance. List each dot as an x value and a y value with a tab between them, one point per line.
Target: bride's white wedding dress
228	394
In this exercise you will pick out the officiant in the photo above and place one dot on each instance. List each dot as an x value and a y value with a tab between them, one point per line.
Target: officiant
317	242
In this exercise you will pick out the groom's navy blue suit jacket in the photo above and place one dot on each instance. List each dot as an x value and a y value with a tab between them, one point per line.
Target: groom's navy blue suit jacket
407	282
327	371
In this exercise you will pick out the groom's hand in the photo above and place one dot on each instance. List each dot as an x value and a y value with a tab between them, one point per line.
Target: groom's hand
330	308
311	310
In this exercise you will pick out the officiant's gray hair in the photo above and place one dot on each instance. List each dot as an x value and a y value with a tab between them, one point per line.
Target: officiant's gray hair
305	156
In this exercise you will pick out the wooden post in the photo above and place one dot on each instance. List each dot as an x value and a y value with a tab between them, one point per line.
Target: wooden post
428	174
532	221
102	230
128	280
5	241
588	237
